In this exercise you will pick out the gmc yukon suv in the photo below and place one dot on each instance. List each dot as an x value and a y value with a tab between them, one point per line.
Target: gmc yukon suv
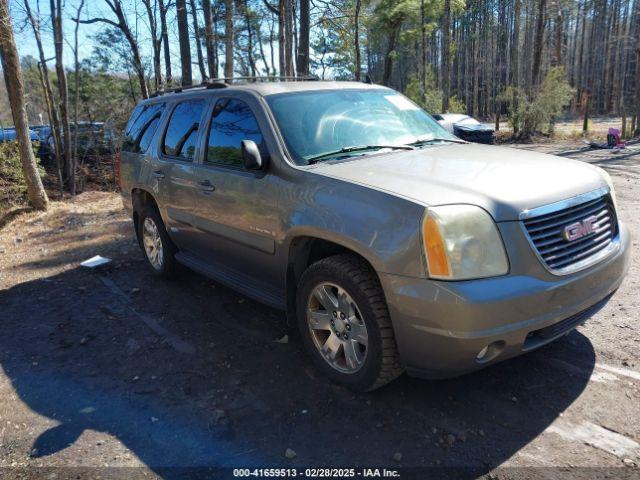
391	243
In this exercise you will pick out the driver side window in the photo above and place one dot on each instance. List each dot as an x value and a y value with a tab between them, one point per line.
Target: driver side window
232	121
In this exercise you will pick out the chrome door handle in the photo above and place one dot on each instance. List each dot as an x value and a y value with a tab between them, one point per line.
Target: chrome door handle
206	186
158	174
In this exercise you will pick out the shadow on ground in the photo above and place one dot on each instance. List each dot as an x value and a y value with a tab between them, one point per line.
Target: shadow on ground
97	351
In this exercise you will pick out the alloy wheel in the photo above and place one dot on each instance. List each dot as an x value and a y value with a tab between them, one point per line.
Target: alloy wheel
337	327
152	243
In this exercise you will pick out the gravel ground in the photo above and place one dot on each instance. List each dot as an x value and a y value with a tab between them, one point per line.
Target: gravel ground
116	374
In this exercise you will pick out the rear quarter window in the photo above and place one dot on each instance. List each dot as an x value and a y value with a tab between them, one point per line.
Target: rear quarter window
141	127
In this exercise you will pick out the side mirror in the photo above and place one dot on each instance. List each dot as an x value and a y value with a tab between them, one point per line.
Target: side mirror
251	156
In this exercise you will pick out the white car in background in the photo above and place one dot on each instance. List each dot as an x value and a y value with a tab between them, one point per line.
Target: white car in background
467	128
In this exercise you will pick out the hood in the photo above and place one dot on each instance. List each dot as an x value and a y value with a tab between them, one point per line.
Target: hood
503	181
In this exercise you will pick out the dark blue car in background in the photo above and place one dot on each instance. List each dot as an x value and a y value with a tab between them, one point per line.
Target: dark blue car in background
9	134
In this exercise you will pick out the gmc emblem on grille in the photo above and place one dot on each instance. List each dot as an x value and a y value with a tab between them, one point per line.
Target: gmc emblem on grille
580	229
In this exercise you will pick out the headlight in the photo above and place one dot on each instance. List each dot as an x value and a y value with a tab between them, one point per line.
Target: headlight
607	178
462	242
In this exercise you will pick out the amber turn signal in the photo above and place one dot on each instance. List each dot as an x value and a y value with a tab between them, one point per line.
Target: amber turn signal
434	246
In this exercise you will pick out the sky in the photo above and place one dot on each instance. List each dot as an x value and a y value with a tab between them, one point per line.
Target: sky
136	14
93	8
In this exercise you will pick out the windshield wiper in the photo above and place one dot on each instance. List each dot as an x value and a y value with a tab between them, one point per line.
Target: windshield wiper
424	141
358	148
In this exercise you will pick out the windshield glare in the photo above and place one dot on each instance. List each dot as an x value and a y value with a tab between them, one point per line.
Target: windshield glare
320	122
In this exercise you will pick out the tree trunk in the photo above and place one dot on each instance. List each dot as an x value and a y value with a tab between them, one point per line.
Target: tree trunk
15	92
250	57
209	42
585	119
288	37
185	42
165	41
516	59
68	162
156	44
446	55
557	56
52	109
229	34
76	100
196	29
637	42
537	48
303	46
281	12
356	41
423	52
391	46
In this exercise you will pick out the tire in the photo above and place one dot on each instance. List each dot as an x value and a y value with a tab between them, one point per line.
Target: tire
373	365
165	263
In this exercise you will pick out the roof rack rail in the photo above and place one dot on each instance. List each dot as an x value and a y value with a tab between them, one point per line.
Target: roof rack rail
224	82
263	78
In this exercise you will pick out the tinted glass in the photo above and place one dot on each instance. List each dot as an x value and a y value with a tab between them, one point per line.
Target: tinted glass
319	122
182	133
232	122
147	136
139	124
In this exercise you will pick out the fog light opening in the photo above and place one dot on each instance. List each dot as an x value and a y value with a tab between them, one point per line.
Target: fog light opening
490	352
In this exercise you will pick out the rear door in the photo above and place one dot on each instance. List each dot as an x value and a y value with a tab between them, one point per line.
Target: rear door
174	169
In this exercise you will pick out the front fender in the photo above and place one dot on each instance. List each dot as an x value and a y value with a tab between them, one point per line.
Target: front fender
382	228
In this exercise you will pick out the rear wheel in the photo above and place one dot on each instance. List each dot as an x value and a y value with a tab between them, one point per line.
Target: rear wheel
156	244
345	325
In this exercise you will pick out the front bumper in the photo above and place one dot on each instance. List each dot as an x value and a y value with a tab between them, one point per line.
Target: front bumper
441	327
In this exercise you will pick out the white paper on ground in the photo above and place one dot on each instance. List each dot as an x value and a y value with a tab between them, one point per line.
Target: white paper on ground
95	261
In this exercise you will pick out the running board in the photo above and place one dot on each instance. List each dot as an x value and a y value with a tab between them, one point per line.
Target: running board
244	284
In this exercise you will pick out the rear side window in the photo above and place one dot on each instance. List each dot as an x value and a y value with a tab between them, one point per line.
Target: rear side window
142	125
231	123
181	136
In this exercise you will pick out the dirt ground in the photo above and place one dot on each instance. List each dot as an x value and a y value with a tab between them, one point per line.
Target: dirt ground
117	374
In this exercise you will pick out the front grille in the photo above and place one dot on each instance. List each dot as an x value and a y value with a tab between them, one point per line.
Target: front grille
547	233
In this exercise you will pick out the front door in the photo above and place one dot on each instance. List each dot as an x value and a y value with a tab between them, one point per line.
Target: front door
236	209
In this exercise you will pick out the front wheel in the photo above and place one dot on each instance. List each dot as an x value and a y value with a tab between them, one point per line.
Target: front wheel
345	325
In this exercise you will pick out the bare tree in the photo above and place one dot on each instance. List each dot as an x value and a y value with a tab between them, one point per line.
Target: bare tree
303	46
196	29
156	41
538	47
356	40
123	25
446	55
76	100
165	40
229	35
63	91
250	38
285	30
52	108
185	42
210	40
637	99
15	91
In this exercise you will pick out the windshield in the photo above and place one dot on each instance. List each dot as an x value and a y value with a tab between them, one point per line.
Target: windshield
320	122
